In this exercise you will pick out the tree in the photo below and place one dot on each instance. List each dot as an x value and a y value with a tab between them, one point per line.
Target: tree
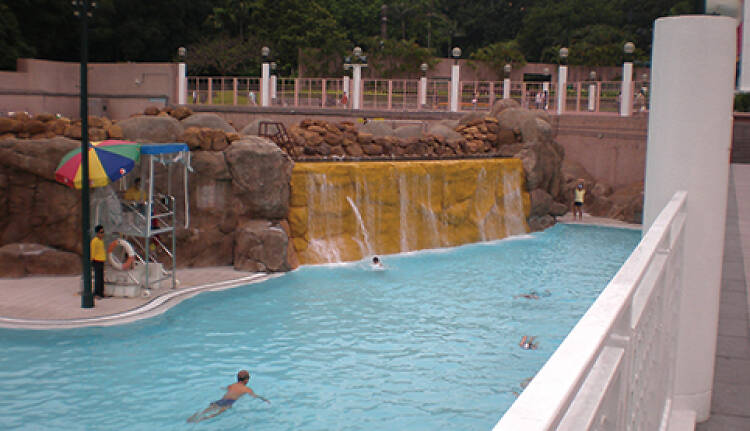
397	58
498	54
224	55
12	44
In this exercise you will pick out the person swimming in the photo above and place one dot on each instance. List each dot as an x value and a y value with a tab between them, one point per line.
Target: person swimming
376	263
234	391
527	343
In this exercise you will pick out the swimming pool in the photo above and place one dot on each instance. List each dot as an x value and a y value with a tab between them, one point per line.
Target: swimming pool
429	343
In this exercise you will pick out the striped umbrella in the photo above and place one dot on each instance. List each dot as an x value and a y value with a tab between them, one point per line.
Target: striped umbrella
108	161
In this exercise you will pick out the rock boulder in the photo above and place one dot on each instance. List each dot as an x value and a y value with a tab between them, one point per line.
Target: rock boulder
151	129
258	166
207	120
261	246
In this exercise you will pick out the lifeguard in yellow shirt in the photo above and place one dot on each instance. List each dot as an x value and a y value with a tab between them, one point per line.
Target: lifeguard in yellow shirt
98	256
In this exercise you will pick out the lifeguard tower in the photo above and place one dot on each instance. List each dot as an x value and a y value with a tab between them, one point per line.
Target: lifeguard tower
143	256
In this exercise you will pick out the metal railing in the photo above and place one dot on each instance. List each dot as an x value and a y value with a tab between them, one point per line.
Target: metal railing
615	370
404	94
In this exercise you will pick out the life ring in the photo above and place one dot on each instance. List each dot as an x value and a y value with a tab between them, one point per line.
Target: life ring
129	252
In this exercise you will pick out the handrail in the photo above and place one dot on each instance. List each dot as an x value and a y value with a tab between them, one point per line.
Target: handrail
615	370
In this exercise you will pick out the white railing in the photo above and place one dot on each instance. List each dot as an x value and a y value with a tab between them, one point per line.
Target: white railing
615	370
404	94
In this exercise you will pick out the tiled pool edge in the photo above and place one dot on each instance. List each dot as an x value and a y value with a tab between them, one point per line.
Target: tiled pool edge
154	307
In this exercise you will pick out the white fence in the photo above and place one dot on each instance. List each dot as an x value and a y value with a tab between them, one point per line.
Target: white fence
404	94
615	370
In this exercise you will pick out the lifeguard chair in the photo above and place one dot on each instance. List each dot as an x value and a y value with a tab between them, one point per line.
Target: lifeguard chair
144	255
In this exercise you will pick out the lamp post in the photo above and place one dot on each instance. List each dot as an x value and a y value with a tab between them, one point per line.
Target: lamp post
182	76
455	74
87	298
265	71
273	83
356	62
592	90
423	85
562	78
506	81
626	92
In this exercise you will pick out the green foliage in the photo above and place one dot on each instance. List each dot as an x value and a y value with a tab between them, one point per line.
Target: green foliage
397	58
323	30
224	55
742	102
11	45
498	54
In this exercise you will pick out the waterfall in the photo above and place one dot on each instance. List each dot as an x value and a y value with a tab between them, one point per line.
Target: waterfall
342	211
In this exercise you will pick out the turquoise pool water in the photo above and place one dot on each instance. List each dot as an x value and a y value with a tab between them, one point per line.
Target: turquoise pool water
429	343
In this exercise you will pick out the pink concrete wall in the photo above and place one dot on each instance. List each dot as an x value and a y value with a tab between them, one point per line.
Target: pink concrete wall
116	90
611	148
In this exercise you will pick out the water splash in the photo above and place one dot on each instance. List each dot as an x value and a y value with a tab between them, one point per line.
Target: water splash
403	192
366	245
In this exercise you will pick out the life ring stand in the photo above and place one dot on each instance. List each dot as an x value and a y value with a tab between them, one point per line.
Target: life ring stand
122	266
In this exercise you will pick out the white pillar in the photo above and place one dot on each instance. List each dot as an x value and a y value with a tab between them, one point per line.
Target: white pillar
592	97
744	81
265	85
506	88
626	92
357	90
689	137
422	91
562	88
273	88
455	70
181	84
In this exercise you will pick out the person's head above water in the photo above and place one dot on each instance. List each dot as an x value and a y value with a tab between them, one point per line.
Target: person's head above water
243	376
375	259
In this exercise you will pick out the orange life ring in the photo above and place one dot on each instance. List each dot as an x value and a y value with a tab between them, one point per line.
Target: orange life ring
122	266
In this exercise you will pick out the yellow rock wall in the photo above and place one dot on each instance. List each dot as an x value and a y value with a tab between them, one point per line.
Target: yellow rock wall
343	211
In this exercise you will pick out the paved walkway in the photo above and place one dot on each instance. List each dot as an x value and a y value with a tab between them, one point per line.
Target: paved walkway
55	302
730	403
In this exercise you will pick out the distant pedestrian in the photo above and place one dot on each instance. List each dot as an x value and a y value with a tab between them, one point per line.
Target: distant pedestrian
98	256
195	97
251	98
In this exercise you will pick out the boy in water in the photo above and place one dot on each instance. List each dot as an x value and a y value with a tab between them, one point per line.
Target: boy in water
234	391
527	343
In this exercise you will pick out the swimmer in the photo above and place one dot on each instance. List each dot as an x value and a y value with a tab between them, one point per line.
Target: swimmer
527	343
376	263
234	391
531	295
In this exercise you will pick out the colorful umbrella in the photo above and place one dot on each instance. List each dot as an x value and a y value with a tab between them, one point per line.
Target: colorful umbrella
108	161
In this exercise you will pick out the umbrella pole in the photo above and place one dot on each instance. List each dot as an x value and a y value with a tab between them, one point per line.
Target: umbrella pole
87	298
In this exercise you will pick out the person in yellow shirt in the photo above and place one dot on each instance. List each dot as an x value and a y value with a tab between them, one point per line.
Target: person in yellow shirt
580	192
98	256
134	192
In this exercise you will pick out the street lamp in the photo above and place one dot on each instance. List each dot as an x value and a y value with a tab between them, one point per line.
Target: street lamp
265	81
356	63
626	92
455	74
82	11
182	76
562	77
506	80
592	90
423	85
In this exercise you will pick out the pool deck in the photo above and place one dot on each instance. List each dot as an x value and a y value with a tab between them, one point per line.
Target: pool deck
54	302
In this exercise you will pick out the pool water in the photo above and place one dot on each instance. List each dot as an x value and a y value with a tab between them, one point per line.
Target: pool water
429	343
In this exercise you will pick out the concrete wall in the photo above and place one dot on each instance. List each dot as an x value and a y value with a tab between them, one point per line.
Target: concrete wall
116	90
611	148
